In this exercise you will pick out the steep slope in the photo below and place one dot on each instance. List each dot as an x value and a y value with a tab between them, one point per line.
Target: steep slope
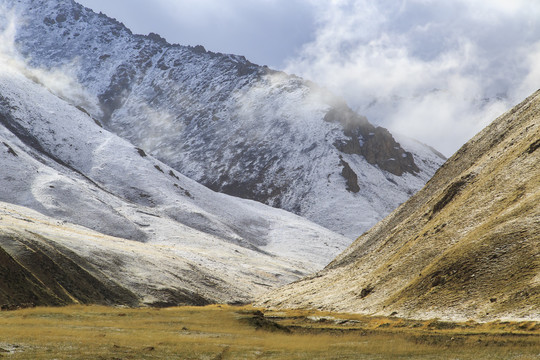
48	262
231	125
56	159
36	270
466	246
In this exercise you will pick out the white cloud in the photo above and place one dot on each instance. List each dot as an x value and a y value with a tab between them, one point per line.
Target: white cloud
530	58
423	67
61	81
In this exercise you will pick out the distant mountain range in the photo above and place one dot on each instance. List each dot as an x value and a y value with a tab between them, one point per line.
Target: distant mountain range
467	246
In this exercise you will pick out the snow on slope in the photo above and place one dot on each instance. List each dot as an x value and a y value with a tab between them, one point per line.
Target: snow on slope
231	125
57	160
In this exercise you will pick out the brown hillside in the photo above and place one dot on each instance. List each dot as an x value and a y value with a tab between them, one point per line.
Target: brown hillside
467	246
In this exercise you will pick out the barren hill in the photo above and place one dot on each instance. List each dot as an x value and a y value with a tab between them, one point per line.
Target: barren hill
467	246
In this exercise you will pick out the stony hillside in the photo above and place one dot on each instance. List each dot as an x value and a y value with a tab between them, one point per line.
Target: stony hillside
180	236
235	127
467	246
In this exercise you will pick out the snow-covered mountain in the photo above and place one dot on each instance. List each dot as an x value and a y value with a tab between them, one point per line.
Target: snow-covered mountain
233	126
182	242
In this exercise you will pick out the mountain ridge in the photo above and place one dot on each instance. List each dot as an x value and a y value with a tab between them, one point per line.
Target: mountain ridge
231	125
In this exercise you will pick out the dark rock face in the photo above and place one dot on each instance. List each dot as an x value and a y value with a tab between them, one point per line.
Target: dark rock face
113	98
376	144
534	146
450	193
350	176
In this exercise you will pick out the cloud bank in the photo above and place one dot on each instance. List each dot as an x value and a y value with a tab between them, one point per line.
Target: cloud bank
436	71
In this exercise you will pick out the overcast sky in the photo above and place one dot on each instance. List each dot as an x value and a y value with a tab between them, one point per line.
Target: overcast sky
438	71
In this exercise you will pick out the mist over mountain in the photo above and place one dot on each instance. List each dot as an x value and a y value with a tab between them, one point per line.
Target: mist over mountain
231	125
120	153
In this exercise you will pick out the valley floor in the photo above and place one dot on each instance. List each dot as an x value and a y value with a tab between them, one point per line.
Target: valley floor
226	332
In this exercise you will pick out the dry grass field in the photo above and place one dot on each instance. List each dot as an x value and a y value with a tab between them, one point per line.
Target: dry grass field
225	332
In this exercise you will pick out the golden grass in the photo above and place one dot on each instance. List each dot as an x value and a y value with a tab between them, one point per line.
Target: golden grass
225	332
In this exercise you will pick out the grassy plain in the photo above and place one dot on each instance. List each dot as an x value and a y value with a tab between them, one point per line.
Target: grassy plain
224	332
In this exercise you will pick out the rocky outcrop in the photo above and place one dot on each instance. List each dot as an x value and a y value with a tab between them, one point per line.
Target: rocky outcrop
350	176
375	144
464	247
